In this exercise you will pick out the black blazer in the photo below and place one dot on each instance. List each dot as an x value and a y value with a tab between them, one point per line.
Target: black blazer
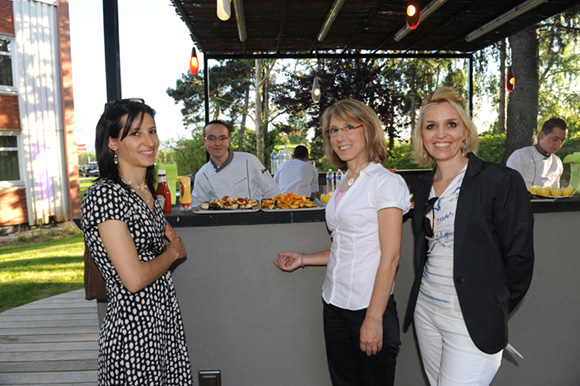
493	254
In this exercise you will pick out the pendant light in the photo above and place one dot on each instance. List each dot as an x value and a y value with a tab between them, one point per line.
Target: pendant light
510	80
316	93
224	9
193	62
413	14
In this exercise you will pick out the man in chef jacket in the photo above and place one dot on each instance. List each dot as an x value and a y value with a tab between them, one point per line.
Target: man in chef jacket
229	173
538	164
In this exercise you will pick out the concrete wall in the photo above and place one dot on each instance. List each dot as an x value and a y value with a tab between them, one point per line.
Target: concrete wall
261	326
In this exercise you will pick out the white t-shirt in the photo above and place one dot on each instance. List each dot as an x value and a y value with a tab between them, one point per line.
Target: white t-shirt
244	177
297	176
437	291
355	252
534	168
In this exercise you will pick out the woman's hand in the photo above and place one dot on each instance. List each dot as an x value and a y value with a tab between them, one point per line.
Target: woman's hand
289	261
176	245
371	336
169	232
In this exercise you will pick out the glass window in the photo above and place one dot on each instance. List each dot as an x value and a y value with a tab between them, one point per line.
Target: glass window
9	170
6	62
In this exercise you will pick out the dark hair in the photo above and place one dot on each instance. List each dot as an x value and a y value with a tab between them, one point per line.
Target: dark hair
218	122
115	122
549	125
300	152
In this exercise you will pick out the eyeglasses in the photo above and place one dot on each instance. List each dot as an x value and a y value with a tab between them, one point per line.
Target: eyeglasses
427	226
347	130
213	138
118	102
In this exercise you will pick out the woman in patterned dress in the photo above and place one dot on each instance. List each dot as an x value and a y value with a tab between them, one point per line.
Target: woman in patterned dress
141	341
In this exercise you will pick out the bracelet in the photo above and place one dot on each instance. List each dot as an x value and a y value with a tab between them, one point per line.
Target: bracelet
302	260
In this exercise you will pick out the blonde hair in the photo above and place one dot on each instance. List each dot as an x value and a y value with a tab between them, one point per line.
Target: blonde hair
442	95
351	109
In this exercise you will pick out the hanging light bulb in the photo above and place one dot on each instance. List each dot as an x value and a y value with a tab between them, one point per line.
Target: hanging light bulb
316	93
413	14
224	9
193	62
510	80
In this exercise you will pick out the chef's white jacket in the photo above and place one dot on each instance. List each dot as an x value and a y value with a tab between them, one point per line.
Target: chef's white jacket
244	177
534	168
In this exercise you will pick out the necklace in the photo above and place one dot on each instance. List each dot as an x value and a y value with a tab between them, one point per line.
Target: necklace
350	181
143	189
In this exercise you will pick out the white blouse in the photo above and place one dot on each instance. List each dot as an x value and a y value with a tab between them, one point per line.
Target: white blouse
355	252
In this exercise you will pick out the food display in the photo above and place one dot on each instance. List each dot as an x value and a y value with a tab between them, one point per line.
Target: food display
551	191
230	203
324	198
288	201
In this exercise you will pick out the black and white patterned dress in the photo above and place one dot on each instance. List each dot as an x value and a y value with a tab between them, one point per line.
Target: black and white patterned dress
142	341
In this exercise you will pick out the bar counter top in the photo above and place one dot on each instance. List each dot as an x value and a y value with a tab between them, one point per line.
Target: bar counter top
180	219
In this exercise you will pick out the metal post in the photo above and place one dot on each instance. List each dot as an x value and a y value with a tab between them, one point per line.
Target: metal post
206	88
471	85
112	54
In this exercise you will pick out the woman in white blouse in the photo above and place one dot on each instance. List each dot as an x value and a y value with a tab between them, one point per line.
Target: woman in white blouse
365	216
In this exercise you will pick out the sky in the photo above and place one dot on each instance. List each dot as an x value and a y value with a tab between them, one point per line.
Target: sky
155	47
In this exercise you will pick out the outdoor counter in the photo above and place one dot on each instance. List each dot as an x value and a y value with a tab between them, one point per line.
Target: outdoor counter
261	326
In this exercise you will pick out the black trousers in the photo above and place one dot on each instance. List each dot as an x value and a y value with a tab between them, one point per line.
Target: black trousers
348	365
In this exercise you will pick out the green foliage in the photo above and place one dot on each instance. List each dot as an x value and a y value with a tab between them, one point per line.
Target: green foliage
230	80
491	147
86	157
572	145
400	157
190	154
559	46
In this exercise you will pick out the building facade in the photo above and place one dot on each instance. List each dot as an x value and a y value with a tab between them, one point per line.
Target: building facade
39	178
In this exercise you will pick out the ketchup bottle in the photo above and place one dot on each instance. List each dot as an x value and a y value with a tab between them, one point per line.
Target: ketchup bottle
163	193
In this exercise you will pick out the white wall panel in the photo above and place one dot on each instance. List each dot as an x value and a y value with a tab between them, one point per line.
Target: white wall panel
39	96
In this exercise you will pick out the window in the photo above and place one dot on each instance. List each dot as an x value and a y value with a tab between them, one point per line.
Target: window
6	78
9	170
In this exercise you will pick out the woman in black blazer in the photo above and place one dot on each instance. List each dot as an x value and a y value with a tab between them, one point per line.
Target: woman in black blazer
473	226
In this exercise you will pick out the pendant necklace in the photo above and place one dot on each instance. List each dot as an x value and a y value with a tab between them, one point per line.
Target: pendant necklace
350	181
143	189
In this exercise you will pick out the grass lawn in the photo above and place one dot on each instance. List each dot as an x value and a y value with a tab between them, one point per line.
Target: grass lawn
41	266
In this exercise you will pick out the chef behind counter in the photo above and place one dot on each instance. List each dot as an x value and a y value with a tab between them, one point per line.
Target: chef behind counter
229	173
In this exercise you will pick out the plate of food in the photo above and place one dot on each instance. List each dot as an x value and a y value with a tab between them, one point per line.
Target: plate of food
228	204
289	201
552	192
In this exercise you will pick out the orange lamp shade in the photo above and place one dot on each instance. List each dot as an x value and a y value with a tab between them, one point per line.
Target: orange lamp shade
510	80
413	14
193	63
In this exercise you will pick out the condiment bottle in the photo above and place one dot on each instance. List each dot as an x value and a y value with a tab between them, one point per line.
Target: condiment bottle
163	193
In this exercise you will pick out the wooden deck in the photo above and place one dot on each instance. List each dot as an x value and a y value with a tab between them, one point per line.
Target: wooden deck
50	342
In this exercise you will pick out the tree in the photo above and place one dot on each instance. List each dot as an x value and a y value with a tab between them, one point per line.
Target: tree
358	78
229	86
559	67
522	115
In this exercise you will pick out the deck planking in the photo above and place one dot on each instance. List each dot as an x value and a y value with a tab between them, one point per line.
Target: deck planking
50	342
